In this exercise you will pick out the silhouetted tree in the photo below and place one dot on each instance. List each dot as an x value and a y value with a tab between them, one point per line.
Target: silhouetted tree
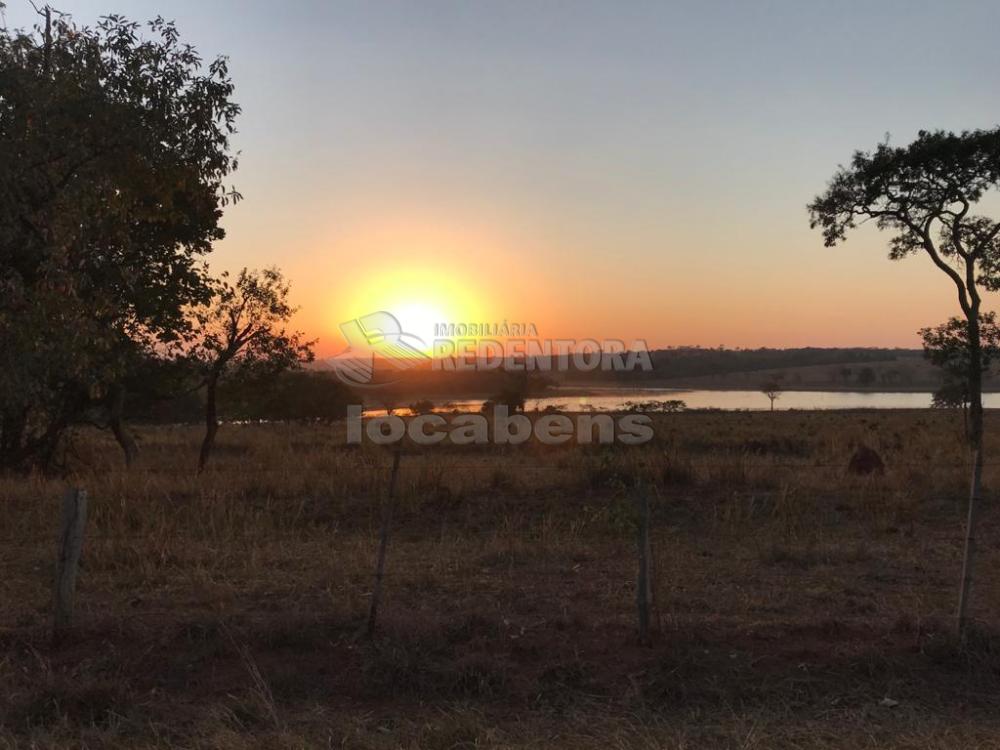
925	193
422	406
772	389
947	346
150	378
114	148
953	394
298	395
242	335
517	388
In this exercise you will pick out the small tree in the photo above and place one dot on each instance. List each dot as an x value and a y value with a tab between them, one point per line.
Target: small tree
947	346
422	406
772	389
953	394
242	335
925	193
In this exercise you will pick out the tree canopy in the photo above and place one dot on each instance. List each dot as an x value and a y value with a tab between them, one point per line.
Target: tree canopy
924	193
114	155
947	345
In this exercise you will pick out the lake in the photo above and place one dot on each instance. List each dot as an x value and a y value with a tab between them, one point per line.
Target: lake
703	399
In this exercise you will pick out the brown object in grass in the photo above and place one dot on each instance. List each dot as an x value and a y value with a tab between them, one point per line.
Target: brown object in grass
866	461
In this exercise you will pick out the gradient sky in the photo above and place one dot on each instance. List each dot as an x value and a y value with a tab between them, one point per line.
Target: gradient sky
612	169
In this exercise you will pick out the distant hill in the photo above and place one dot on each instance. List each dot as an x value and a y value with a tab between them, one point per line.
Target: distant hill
809	368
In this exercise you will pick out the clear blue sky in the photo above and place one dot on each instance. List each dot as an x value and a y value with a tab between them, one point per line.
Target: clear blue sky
630	169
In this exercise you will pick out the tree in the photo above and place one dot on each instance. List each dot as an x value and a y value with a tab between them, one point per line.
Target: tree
513	394
947	346
772	389
147	378
515	389
953	394
115	150
241	335
298	395
925	194
422	406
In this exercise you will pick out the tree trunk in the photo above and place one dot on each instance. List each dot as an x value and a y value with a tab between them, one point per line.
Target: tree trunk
116	409
211	421
43	450
12	428
976	445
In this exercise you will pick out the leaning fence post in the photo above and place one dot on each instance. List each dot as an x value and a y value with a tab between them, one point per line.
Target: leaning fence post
644	587
383	544
74	519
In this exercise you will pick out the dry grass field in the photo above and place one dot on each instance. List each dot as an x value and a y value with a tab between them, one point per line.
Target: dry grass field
792	599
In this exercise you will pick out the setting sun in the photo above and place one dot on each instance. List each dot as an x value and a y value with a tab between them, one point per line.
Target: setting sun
419	298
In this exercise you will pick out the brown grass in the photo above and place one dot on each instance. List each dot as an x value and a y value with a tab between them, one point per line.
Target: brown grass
790	598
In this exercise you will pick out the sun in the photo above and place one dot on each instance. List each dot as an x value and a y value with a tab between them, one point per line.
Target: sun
420	299
418	318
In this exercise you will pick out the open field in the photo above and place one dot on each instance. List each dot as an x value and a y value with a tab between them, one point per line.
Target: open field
791	598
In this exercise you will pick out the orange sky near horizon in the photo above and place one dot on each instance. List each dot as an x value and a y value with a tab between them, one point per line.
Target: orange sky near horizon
602	170
773	296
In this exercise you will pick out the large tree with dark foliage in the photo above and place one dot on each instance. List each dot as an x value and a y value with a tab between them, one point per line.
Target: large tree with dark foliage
926	194
114	151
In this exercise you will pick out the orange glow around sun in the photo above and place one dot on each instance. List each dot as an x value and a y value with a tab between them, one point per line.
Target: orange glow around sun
423	271
419	298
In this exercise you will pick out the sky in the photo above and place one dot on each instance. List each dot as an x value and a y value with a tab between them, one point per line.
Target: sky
597	169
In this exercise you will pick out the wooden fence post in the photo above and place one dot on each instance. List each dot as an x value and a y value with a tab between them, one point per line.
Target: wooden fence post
644	585
383	544
74	519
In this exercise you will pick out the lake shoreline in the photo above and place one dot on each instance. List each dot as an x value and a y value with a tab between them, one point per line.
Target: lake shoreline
578	389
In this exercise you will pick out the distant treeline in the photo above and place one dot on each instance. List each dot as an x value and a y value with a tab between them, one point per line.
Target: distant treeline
691	362
841	367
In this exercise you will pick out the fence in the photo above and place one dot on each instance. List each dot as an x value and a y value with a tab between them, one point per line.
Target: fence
72	535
